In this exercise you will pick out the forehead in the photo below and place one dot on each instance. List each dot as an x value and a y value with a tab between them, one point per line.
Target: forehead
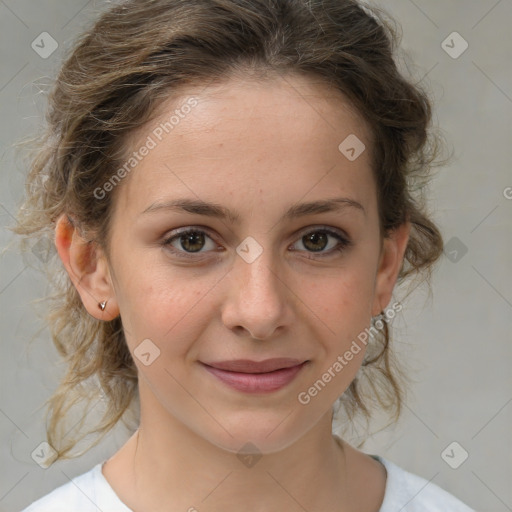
300	96
245	135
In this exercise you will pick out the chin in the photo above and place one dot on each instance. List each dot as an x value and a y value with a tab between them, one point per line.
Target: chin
262	433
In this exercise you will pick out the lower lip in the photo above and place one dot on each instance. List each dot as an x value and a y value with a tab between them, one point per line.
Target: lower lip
257	382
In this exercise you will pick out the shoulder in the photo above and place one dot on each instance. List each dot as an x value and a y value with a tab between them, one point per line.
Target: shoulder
89	492
412	493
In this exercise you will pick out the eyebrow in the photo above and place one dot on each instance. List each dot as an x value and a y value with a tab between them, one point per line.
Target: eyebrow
199	207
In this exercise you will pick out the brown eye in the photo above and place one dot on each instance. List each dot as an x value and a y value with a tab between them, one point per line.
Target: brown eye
316	241
192	241
188	242
319	240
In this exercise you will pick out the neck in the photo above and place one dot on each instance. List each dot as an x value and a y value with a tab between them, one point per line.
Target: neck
167	466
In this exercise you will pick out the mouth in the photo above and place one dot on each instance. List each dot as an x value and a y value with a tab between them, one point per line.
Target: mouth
256	376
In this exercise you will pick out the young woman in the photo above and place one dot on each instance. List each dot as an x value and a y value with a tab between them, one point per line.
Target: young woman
232	189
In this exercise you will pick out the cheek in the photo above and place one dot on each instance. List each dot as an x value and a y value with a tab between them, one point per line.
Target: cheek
342	302
162	305
345	312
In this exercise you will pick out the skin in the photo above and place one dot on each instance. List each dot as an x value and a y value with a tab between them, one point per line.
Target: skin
255	148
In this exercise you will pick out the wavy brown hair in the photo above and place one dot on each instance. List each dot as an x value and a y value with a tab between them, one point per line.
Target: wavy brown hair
139	53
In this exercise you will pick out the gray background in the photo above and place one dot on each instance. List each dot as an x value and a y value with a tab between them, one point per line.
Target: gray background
457	345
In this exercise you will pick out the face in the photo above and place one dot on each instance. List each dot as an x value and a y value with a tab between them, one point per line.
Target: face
239	268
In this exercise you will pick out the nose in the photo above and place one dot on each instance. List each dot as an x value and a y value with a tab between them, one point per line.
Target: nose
258	298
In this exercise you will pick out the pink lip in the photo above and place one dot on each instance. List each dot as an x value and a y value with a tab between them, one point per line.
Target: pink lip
256	377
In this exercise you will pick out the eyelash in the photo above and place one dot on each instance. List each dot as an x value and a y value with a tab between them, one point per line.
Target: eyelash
344	243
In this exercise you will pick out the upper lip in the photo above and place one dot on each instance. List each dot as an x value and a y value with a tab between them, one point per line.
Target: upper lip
248	366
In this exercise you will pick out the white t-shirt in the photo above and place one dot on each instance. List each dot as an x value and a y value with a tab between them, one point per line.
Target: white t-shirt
405	492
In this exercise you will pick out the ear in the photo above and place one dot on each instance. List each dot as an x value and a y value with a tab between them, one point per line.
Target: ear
87	268
390	261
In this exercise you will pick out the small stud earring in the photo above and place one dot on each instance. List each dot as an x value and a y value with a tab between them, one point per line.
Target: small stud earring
378	318
102	305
